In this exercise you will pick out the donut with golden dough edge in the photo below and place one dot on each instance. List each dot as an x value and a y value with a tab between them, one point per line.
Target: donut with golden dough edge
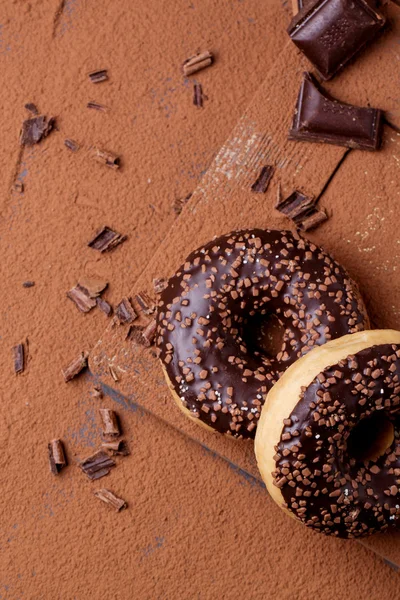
218	376
328	440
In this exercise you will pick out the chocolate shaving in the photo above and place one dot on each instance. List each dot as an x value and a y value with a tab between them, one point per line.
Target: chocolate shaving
97	465
98	76
28	284
57	458
113	373
19	359
198	97
146	304
75	367
111	428
197	63
143	335
106	239
35	129
179	203
97	106
125	312
302	211
18	187
81	298
107	158
111	499
104	306
71	145
159	285
320	118
32	108
117	448
92	287
261	184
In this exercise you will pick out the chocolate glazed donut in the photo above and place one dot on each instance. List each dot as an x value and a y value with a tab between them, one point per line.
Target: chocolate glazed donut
205	311
328	441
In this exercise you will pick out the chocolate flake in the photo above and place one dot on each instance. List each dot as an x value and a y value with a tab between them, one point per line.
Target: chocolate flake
97	106
111	428
330	33
106	239
261	184
197	63
92	287
98	465
35	129
111	499
32	108
113	161
57	458
320	118
143	335
28	284
19	359
117	448
179	203
71	145
146	303
159	285
125	312
81	298
198	97
113	373
75	367
104	306
98	76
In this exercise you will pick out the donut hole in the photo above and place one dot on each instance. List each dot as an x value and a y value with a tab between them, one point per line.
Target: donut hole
264	334
371	437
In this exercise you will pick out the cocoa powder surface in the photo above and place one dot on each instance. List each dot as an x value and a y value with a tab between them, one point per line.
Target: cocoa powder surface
195	527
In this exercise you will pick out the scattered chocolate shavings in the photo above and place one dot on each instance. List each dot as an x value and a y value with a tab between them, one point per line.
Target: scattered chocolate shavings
97	391
75	367
104	306
117	448
198	98
125	312
72	145
111	428
107	158
32	108
93	287
98	465
111	499
57	458
261	184
98	76
97	106
106	239
197	63
143	336
179	203
18	187
28	284
81	298
113	373
302	211
159	285
146	304
35	129
19	359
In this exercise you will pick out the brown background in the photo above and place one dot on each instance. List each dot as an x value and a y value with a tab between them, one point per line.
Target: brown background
192	529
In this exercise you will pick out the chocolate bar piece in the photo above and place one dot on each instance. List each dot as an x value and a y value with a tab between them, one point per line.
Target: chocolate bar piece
331	32
320	118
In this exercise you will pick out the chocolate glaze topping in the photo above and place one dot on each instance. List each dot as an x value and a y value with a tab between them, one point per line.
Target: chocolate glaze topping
205	309
321	480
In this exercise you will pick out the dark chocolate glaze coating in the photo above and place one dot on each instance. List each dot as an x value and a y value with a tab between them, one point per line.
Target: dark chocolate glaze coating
203	313
321	481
